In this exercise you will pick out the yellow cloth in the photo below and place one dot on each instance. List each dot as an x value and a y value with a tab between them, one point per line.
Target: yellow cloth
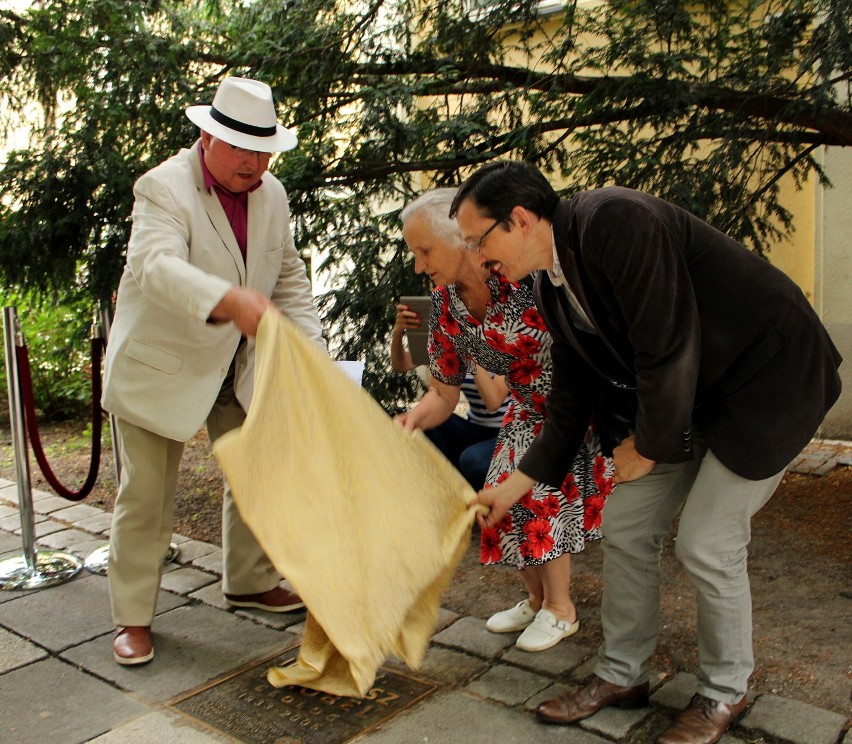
368	522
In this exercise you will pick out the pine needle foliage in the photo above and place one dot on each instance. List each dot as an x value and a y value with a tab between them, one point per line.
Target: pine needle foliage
708	104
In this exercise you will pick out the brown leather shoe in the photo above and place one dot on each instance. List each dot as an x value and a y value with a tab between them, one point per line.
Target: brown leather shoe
703	722
132	645
594	695
278	599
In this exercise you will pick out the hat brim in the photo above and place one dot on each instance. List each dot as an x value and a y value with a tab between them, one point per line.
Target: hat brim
283	139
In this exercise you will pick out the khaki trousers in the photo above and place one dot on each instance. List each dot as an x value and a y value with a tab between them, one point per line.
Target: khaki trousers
712	539
143	519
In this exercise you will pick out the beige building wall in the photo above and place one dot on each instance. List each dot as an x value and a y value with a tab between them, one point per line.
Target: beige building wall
818	257
833	276
795	256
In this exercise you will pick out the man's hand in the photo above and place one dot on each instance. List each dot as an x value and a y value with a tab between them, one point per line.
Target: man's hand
244	307
629	464
499	499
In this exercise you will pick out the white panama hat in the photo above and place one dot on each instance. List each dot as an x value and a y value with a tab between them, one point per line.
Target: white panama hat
243	115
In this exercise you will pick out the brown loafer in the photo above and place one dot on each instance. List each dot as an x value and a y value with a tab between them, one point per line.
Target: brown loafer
594	695
278	599
132	645
703	722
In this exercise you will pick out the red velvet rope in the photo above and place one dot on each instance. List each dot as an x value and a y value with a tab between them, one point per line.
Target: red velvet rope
32	424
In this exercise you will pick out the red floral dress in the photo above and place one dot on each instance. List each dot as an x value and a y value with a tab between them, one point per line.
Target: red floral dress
513	341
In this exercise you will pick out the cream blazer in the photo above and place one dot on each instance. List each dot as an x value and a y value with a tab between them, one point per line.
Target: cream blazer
165	363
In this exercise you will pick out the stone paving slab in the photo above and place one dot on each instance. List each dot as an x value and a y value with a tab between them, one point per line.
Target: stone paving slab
8	511
445	619
445	666
83	549
193	646
677	692
794	721
163	727
508	684
562	658
50	504
9	491
186	580
277	620
69	614
13	522
211	562
614	722
76	512
17	652
51	702
546	694
821	456
469	634
452	717
10	543
192	549
99	524
64	539
211	595
38	494
43	526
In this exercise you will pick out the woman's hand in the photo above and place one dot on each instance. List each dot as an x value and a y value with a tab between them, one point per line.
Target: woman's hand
492	390
629	464
406	318
433	409
406	420
400	357
500	498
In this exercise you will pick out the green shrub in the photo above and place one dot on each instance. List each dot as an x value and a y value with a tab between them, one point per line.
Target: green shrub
56	332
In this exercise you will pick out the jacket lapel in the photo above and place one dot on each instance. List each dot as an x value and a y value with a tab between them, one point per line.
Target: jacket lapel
257	222
218	218
579	281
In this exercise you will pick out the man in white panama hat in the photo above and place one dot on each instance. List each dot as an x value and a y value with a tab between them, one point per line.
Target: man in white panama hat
210	250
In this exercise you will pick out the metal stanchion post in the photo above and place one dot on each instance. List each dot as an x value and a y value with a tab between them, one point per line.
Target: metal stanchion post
98	560
32	569
106	324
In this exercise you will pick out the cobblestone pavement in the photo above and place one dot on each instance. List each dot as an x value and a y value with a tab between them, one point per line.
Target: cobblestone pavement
59	683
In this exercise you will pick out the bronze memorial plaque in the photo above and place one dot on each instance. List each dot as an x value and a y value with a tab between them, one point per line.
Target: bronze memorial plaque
251	710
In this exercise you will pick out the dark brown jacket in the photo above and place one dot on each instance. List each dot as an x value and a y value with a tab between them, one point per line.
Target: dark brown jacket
703	329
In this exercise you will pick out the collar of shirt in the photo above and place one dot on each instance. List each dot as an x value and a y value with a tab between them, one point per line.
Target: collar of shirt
557	278
235	205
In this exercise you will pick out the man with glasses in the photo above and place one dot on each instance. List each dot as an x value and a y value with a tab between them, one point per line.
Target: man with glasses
210	251
650	305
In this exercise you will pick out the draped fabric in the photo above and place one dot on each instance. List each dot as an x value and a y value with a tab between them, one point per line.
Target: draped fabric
366	521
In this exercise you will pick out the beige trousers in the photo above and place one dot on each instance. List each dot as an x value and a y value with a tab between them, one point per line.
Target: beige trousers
143	519
716	507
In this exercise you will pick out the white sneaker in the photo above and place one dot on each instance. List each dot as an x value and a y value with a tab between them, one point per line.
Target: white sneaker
508	621
545	631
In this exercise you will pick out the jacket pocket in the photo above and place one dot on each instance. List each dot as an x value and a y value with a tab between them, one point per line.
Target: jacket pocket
153	357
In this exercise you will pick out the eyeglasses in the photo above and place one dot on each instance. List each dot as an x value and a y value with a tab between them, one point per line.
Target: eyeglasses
475	245
242	152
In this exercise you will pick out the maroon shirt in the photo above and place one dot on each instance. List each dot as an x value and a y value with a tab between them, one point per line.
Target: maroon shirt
235	205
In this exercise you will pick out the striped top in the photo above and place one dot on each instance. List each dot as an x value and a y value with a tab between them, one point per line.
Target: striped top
478	413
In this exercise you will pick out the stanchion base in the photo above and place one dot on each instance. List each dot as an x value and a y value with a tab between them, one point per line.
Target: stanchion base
98	559
51	568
